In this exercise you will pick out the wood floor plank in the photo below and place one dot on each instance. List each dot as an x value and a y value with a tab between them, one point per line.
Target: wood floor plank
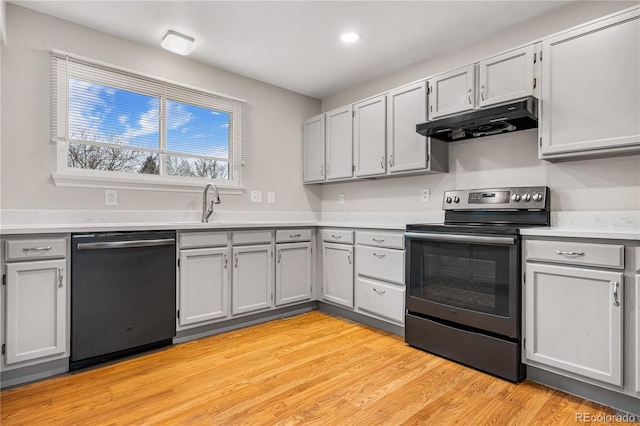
313	369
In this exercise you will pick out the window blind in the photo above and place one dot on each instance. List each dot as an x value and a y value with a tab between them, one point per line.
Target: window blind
97	104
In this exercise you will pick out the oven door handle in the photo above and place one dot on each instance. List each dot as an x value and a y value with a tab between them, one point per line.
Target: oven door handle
456	238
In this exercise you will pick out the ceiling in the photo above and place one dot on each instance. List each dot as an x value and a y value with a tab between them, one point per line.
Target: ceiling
296	44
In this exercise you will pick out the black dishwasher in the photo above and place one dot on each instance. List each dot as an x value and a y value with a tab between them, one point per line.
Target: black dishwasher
123	294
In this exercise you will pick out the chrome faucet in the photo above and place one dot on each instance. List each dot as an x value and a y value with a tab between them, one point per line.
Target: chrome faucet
207	211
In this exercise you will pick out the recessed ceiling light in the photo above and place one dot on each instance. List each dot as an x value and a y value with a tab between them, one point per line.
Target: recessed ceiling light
178	43
350	37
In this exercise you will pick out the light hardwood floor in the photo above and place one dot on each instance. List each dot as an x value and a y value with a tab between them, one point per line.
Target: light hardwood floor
312	369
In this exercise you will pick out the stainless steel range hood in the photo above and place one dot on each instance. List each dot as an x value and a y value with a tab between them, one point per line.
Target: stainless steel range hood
519	115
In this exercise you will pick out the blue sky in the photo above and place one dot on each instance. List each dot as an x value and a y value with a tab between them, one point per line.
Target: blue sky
134	119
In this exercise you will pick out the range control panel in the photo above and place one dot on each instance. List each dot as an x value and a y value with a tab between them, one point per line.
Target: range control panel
525	197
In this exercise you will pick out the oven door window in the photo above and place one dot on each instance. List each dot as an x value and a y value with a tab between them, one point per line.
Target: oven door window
475	277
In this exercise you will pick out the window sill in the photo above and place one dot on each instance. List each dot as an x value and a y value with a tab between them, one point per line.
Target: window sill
143	183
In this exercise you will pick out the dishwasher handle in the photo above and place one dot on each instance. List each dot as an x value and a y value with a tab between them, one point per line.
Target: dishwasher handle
126	244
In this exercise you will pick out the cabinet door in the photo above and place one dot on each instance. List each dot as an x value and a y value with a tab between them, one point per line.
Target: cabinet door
204	283
36	310
452	92
638	328
574	320
313	149
252	278
339	143
506	77
337	277
406	149
293	273
590	87
369	136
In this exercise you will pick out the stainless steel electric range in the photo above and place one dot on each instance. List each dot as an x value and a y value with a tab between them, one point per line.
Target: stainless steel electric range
463	299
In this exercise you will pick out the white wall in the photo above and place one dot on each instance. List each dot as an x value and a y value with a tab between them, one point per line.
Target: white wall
596	184
273	130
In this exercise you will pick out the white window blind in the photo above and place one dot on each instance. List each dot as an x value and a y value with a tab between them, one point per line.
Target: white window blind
113	120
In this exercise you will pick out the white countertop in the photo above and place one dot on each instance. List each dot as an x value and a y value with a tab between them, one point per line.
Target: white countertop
612	233
602	225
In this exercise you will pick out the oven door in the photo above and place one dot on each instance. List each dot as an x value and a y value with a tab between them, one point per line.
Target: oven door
471	280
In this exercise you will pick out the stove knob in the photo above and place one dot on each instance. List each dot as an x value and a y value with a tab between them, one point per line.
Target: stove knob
526	197
515	197
448	200
456	199
537	197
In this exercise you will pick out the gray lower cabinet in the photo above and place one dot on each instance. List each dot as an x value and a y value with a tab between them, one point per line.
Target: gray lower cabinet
293	273
576	316
35	299
379	286
252	275
337	267
203	278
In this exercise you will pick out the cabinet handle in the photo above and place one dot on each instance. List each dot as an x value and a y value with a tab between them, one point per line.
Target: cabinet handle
482	92
378	291
30	249
60	277
226	261
469	96
616	285
236	261
382	163
279	255
322	171
328	168
391	160
336	237
349	257
378	240
379	255
294	235
570	253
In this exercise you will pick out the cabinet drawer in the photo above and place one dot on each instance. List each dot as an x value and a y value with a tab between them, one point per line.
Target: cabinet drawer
203	239
261	236
380	299
380	239
292	235
337	236
577	253
35	249
381	263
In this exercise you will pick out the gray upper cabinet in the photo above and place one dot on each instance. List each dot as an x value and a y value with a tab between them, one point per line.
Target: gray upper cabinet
339	143
452	92
506	77
369	136
591	89
313	148
406	149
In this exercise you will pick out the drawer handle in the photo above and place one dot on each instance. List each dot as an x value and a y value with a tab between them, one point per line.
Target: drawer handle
336	237
294	235
379	255
378	240
616	286
60	277
30	249
378	291
570	253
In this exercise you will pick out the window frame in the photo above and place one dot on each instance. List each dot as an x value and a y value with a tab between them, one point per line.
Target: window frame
162	89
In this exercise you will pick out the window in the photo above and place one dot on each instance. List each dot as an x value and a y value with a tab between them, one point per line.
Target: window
116	128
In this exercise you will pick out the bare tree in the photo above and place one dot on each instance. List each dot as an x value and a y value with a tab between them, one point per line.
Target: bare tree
95	157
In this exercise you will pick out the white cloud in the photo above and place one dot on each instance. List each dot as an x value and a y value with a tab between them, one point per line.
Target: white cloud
177	116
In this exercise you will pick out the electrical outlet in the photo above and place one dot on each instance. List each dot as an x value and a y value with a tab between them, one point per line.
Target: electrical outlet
426	194
110	197
256	196
271	197
340	198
